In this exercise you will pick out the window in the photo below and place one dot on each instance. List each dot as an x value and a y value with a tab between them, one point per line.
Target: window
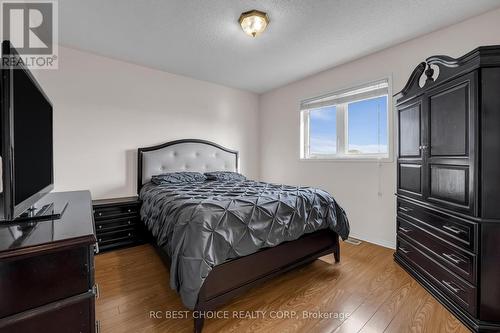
353	123
323	130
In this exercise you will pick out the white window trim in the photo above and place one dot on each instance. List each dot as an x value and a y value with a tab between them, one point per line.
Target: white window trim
342	133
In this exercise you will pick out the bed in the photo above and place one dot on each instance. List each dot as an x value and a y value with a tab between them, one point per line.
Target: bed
221	238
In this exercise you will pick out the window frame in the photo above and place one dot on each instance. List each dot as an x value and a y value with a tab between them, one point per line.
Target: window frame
342	129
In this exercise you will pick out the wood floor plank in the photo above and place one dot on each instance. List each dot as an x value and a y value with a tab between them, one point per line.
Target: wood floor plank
389	308
382	287
375	293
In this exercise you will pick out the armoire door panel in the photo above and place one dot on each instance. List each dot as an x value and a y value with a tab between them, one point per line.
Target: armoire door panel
450	118
449	121
410	130
450	183
410	178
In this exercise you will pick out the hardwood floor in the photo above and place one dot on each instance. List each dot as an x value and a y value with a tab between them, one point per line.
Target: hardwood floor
367	284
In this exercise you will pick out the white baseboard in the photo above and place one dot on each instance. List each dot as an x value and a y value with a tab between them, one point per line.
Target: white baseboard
382	242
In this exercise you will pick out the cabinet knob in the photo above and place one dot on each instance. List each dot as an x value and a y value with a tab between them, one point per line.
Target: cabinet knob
128	222
129	210
100	227
129	234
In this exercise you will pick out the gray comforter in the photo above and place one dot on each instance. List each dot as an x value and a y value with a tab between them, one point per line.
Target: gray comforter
201	225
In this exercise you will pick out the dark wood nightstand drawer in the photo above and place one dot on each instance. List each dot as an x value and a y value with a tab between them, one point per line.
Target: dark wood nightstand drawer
460	262
115	212
117	244
114	224
124	233
455	230
463	293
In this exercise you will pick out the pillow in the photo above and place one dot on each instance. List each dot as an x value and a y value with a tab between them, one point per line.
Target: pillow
224	175
178	177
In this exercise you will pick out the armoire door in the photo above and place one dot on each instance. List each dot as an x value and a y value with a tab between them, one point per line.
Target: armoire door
450	117
410	158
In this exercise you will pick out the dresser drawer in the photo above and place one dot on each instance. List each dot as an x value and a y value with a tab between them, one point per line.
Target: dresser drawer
64	317
40	277
460	262
115	211
461	292
114	224
455	230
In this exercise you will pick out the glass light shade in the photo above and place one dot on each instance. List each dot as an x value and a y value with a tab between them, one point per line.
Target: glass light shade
254	22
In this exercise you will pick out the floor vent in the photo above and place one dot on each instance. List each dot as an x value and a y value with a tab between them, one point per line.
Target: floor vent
353	241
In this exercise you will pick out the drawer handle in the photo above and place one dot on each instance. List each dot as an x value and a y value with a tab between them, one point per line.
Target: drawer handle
100	214
129	210
451	286
453	258
406	230
95	290
453	229
96	248
405	251
97	326
100	227
405	209
128	222
129	234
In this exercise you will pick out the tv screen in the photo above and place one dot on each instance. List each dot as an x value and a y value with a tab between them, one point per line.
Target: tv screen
26	140
32	138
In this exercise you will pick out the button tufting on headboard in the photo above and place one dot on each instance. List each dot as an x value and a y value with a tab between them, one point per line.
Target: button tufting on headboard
182	155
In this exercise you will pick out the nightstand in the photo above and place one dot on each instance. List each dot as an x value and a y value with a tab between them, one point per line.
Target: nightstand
118	223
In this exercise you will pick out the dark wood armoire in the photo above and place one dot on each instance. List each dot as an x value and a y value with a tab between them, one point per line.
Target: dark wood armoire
448	183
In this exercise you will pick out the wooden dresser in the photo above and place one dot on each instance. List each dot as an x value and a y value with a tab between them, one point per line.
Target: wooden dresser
118	223
448	183
47	271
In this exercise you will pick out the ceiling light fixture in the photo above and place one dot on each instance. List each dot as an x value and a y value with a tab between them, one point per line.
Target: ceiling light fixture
254	22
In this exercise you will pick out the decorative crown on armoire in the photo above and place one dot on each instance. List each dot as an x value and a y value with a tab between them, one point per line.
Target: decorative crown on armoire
448	181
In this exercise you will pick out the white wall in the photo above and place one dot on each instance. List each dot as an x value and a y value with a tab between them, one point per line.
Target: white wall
105	109
355	185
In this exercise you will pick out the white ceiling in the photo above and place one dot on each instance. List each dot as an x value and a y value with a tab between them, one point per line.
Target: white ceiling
202	39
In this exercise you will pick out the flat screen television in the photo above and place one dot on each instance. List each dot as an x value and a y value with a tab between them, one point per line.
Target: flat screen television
26	140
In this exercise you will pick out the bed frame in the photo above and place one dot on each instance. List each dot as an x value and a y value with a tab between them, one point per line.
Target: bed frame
234	277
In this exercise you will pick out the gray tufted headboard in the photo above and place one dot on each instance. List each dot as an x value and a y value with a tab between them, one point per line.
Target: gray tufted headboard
184	155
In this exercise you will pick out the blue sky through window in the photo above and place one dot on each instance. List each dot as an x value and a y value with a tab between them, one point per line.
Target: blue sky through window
367	126
323	130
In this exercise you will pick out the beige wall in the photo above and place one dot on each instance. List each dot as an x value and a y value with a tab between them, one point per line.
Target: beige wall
356	185
105	109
